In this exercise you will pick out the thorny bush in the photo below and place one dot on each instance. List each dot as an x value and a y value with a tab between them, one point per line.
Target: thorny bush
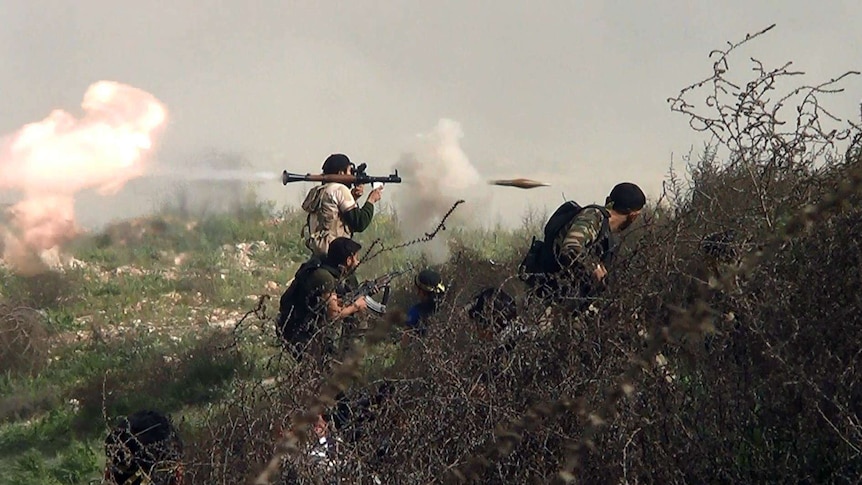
23	339
728	349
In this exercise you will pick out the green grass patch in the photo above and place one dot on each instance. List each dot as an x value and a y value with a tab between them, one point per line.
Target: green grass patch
125	330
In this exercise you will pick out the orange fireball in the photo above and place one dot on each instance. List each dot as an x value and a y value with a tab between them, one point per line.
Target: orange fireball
50	161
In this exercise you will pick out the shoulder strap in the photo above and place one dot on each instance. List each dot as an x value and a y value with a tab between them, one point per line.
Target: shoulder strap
560	218
312	264
603	209
606	241
306	229
290	295
304	269
335	272
606	228
558	222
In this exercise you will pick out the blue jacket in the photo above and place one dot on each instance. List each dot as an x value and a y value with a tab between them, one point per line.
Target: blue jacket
417	315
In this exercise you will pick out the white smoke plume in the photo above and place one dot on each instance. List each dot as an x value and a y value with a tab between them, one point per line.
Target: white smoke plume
50	161
436	174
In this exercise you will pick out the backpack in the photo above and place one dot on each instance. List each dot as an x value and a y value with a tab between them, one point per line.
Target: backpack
329	222
144	448
541	259
493	306
289	322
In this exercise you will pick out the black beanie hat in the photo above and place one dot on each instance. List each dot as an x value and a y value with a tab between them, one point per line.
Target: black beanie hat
335	163
626	197
340	249
430	281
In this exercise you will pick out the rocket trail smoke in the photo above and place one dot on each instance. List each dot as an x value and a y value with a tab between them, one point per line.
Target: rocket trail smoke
217	175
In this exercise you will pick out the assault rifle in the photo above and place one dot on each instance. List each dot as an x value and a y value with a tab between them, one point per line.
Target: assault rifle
370	288
359	177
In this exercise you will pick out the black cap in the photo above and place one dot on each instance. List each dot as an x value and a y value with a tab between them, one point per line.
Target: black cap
430	281
626	197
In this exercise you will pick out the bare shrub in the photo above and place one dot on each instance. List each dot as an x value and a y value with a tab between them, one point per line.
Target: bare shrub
728	350
45	290
24	339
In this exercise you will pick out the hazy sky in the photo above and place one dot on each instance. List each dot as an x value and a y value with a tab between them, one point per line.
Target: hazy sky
571	91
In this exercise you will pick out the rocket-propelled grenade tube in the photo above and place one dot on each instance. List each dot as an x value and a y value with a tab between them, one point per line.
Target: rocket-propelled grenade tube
346	179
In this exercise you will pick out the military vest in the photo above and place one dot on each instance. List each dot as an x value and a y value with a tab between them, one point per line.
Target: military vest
324	223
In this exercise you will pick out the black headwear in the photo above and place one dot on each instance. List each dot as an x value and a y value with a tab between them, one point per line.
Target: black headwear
430	281
335	163
626	197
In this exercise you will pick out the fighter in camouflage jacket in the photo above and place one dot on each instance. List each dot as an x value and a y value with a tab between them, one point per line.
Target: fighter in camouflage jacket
586	245
580	242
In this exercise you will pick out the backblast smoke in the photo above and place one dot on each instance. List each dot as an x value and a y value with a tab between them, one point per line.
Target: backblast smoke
436	174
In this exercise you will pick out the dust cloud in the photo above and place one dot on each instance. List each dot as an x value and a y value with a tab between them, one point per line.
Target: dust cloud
437	173
49	162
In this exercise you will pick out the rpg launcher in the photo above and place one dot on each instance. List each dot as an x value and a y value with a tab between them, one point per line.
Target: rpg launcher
359	177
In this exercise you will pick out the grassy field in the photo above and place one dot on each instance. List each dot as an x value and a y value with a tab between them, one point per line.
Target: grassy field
729	362
131	319
740	359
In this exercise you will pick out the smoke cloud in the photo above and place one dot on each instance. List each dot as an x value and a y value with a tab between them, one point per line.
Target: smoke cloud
436	174
49	162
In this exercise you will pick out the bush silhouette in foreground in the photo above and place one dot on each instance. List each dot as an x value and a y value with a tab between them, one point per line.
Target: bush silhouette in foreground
732	355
